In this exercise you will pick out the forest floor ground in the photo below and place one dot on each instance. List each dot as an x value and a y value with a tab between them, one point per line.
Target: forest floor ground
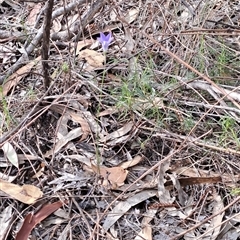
138	142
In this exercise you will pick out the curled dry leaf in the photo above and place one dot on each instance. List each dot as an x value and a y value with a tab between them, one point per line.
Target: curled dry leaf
123	206
27	193
31	220
132	162
56	25
10	154
108	111
82	121
132	15
76	117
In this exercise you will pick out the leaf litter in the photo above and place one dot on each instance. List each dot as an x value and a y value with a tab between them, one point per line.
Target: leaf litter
99	135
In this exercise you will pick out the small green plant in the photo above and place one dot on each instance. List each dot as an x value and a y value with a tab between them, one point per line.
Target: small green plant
222	60
188	123
229	126
235	192
137	88
222	56
65	67
156	114
126	98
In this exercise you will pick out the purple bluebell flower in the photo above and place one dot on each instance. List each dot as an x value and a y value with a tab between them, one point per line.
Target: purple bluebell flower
105	40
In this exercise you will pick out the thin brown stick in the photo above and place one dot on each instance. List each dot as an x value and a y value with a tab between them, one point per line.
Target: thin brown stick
45	43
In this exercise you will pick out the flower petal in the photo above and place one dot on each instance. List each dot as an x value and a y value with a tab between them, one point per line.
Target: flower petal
105	40
108	37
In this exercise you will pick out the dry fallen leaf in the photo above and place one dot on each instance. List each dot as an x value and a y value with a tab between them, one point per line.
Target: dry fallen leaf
132	15
164	194
116	175
31	220
108	111
93	58
145	233
6	53
195	181
76	117
27	193
93	124
39	171
129	46
132	162
213	229
127	17
84	125
56	25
